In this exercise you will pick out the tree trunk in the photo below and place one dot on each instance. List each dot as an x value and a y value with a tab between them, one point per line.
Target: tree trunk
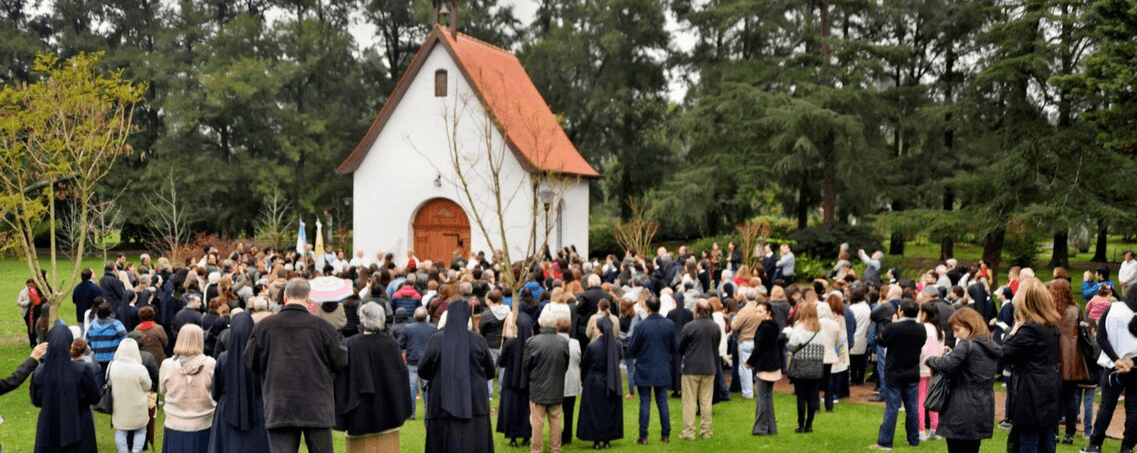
896	244
947	244
993	253
802	208
829	151
1061	253
1099	251
829	193
896	241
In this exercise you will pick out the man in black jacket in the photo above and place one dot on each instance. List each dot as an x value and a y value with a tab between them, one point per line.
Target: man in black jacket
699	344
586	306
904	338
114	292
84	294
413	341
546	360
296	356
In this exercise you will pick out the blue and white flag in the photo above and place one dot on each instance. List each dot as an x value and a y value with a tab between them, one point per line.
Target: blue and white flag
301	239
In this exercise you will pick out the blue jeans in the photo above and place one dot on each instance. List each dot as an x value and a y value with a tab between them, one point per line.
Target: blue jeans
645	410
630	364
489	382
894	395
745	373
881	351
415	382
1087	395
1036	440
139	439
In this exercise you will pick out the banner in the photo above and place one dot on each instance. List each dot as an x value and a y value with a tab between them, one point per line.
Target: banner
301	239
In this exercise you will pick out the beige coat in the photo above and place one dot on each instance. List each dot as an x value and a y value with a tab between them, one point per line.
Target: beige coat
129	381
592	332
187	383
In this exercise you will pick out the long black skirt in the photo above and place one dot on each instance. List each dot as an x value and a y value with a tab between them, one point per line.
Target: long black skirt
601	414
174	441
458	435
513	414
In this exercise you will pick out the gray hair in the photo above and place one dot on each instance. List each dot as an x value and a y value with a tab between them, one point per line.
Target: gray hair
297	289
194	301
420	314
467	288
412	278
593	281
372	317
258	304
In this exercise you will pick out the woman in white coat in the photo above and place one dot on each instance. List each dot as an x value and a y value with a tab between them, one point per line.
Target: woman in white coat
130	383
835	343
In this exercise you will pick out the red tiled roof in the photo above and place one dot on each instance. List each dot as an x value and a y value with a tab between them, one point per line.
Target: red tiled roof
501	84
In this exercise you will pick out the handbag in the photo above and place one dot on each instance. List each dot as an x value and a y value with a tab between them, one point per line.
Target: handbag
106	400
807	361
938	392
1089	347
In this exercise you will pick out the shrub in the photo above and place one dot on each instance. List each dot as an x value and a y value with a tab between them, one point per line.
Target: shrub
780	227
807	268
704	244
824	244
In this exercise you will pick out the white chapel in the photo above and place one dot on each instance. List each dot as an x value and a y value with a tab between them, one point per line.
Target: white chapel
469	105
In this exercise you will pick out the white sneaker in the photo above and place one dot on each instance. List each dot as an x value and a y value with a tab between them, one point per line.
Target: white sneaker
923	436
879	447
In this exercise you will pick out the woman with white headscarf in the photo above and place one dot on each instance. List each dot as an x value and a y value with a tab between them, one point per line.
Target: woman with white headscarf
129	384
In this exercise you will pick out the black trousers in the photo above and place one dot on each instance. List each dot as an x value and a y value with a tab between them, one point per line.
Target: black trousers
1111	387
1070	405
568	406
287	440
806	392
829	386
857	368
963	445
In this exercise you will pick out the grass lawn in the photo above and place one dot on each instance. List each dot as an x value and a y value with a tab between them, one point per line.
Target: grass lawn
851	427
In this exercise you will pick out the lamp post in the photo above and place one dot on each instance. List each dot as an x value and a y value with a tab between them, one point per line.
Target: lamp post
546	195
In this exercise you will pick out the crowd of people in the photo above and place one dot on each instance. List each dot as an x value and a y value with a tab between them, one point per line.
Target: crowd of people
261	349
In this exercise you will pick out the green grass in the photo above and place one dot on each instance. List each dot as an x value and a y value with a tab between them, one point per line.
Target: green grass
851	427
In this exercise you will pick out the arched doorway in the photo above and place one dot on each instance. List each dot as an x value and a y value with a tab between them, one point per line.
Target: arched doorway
440	228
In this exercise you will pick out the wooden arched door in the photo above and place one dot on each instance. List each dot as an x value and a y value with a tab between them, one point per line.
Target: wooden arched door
441	228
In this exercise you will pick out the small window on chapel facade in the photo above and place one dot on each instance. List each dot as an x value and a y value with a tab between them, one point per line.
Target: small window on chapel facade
440	83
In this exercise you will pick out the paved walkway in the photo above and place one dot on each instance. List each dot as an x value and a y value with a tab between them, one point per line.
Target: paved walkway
862	393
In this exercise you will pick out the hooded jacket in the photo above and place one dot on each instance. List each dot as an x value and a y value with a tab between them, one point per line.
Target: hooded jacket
970	410
187	383
129	381
492	323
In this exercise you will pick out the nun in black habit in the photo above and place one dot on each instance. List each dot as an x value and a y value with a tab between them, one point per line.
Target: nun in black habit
372	401
513	407
64	390
456	364
239	419
602	402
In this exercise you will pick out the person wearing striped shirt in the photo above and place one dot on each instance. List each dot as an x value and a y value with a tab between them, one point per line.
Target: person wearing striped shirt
103	337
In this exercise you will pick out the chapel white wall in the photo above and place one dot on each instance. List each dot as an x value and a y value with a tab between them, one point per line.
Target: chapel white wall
397	176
